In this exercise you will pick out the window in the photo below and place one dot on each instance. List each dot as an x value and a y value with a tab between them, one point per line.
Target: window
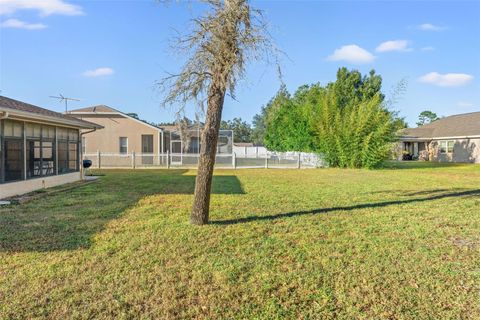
147	143
446	146
450	145
123	141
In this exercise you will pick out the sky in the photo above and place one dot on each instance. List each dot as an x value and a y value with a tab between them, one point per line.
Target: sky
113	52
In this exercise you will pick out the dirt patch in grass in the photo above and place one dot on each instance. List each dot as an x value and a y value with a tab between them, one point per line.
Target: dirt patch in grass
471	244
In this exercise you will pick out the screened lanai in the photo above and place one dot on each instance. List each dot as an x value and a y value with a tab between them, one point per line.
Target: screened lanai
38	147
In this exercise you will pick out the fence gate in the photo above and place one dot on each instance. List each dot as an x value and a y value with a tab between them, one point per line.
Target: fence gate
176	157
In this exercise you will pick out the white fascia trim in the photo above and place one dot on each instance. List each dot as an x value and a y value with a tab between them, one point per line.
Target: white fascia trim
458	137
407	139
74	112
438	138
35	117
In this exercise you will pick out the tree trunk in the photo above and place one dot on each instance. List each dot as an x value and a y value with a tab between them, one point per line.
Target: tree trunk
208	151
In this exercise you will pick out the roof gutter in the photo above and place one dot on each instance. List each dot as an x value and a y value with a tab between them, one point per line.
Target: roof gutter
7	112
457	137
90	131
4	115
406	138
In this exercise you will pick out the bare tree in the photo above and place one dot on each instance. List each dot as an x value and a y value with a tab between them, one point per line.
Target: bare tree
228	36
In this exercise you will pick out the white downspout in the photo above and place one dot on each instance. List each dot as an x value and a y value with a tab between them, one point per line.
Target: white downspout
81	147
160	152
161	142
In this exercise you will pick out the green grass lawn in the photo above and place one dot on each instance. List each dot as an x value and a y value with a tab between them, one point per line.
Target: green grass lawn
402	242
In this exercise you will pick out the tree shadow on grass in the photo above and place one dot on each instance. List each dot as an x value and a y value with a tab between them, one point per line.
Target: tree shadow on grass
412	193
434	195
68	220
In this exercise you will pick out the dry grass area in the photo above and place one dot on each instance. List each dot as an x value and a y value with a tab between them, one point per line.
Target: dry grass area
396	243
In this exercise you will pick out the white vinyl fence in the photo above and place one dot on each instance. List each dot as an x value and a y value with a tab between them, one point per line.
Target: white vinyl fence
267	159
250	152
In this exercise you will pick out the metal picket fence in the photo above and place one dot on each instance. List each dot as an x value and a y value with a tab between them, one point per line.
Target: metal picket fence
284	160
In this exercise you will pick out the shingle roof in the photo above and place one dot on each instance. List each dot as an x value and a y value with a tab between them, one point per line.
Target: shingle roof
99	109
460	125
15	105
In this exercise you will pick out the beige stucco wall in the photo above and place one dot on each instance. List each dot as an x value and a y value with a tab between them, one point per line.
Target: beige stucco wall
464	150
21	187
107	140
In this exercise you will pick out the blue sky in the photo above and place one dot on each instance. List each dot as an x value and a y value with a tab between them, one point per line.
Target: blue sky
112	52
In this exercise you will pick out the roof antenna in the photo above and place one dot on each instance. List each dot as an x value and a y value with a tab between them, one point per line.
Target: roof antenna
62	98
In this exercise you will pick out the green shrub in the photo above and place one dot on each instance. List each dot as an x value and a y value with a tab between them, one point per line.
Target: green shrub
347	121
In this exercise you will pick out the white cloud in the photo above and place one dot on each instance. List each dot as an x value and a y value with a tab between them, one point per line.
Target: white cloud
447	79
464	104
428	48
394	45
18	24
353	54
45	7
99	72
430	27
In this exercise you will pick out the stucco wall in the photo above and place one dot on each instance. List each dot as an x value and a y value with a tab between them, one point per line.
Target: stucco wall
464	150
21	187
107	139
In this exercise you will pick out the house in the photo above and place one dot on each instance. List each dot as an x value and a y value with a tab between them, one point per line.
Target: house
122	133
39	148
451	139
125	137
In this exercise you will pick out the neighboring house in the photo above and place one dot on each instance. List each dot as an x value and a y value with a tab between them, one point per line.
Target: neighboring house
125	135
39	148
122	134
451	139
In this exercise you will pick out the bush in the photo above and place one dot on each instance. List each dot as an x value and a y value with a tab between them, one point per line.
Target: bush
347	121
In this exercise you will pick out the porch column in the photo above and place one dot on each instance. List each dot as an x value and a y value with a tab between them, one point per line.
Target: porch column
415	149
